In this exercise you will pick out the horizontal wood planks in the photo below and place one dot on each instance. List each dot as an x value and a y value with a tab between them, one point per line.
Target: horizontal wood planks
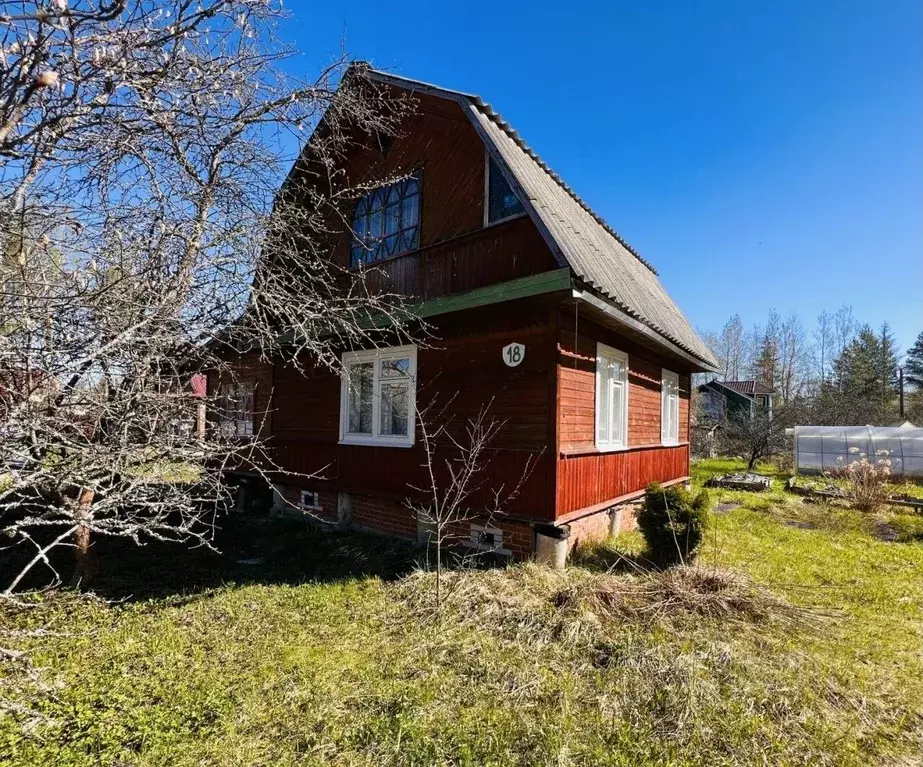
586	477
460	372
577	386
485	257
588	480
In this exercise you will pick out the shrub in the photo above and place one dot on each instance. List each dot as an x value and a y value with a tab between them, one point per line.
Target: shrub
673	522
866	481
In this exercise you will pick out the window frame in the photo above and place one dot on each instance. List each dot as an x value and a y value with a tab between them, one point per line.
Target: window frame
315	506
487	221
474	539
231	420
609	352
355	241
669	387
376	356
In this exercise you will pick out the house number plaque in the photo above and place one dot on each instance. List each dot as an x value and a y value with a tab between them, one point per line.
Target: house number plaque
513	354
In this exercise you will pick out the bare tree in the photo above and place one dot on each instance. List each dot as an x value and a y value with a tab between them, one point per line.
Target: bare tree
732	348
792	357
142	147
458	489
762	435
845	328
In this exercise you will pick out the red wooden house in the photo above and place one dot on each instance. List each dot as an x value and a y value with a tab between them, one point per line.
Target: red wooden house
535	306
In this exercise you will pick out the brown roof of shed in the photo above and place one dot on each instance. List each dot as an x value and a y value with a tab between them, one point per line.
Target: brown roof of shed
581	239
749	387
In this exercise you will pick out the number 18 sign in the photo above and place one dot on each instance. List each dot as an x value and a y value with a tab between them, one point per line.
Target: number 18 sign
513	354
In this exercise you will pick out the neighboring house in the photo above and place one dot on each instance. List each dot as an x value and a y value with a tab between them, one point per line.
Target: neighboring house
540	312
735	399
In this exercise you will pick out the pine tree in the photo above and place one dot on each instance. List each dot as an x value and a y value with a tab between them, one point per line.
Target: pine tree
888	361
866	370
913	368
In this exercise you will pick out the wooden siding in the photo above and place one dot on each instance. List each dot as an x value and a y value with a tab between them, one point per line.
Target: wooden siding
577	382
459	372
485	257
585	476
457	252
590	480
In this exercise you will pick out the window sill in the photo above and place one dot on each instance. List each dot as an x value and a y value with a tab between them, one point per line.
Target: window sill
488	224
374	442
611	448
577	451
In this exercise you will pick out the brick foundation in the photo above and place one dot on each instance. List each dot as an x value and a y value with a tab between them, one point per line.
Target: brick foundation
389	517
292	505
379	515
602	524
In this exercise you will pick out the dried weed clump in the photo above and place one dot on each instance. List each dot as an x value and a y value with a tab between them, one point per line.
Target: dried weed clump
532	603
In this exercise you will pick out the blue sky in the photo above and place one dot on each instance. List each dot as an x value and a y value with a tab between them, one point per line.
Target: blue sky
760	155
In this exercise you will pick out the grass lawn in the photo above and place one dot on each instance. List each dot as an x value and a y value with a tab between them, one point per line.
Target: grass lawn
330	654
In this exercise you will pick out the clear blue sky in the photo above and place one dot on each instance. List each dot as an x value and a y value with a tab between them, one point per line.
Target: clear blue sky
760	155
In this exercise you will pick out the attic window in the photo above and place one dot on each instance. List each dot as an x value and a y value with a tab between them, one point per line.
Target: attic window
384	141
502	202
386	221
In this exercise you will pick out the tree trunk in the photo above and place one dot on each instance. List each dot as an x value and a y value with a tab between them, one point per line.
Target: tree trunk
86	564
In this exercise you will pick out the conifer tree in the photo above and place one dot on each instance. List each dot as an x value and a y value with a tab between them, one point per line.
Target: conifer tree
913	368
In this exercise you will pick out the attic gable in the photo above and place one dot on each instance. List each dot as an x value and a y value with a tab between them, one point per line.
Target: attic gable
578	238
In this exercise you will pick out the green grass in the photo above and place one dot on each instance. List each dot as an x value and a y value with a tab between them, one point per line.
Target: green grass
314	659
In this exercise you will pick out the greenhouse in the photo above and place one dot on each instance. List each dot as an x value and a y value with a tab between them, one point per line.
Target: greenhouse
828	448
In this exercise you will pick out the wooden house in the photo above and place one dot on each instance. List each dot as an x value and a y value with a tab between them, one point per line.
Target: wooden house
536	308
723	400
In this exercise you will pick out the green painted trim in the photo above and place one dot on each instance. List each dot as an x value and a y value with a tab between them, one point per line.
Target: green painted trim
521	287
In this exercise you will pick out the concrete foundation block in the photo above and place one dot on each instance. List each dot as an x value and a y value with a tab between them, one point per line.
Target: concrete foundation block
344	511
551	546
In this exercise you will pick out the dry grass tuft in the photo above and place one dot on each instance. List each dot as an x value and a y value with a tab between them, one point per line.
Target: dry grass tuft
535	604
695	590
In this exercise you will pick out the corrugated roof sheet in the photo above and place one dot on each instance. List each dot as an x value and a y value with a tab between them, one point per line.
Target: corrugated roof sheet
749	387
596	253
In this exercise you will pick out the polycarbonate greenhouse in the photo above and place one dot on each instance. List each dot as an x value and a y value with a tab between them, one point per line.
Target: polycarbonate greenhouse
827	448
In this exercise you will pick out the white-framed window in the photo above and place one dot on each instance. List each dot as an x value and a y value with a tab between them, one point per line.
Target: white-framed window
500	201
236	409
377	397
310	499
611	398
669	408
485	538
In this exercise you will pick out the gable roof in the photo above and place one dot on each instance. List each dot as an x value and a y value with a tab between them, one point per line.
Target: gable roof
749	388
579	238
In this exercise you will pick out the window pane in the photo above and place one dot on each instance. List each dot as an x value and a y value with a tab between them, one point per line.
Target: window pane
603	417
399	368
392	218
360	398
409	211
390	245
394	408
502	202
618	427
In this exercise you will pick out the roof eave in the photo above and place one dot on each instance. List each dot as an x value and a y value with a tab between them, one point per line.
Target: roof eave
621	318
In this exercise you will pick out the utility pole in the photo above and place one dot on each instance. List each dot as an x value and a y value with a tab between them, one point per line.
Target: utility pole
900	388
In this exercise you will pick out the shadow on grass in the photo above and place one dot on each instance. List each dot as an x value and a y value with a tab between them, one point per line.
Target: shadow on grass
250	550
606	556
